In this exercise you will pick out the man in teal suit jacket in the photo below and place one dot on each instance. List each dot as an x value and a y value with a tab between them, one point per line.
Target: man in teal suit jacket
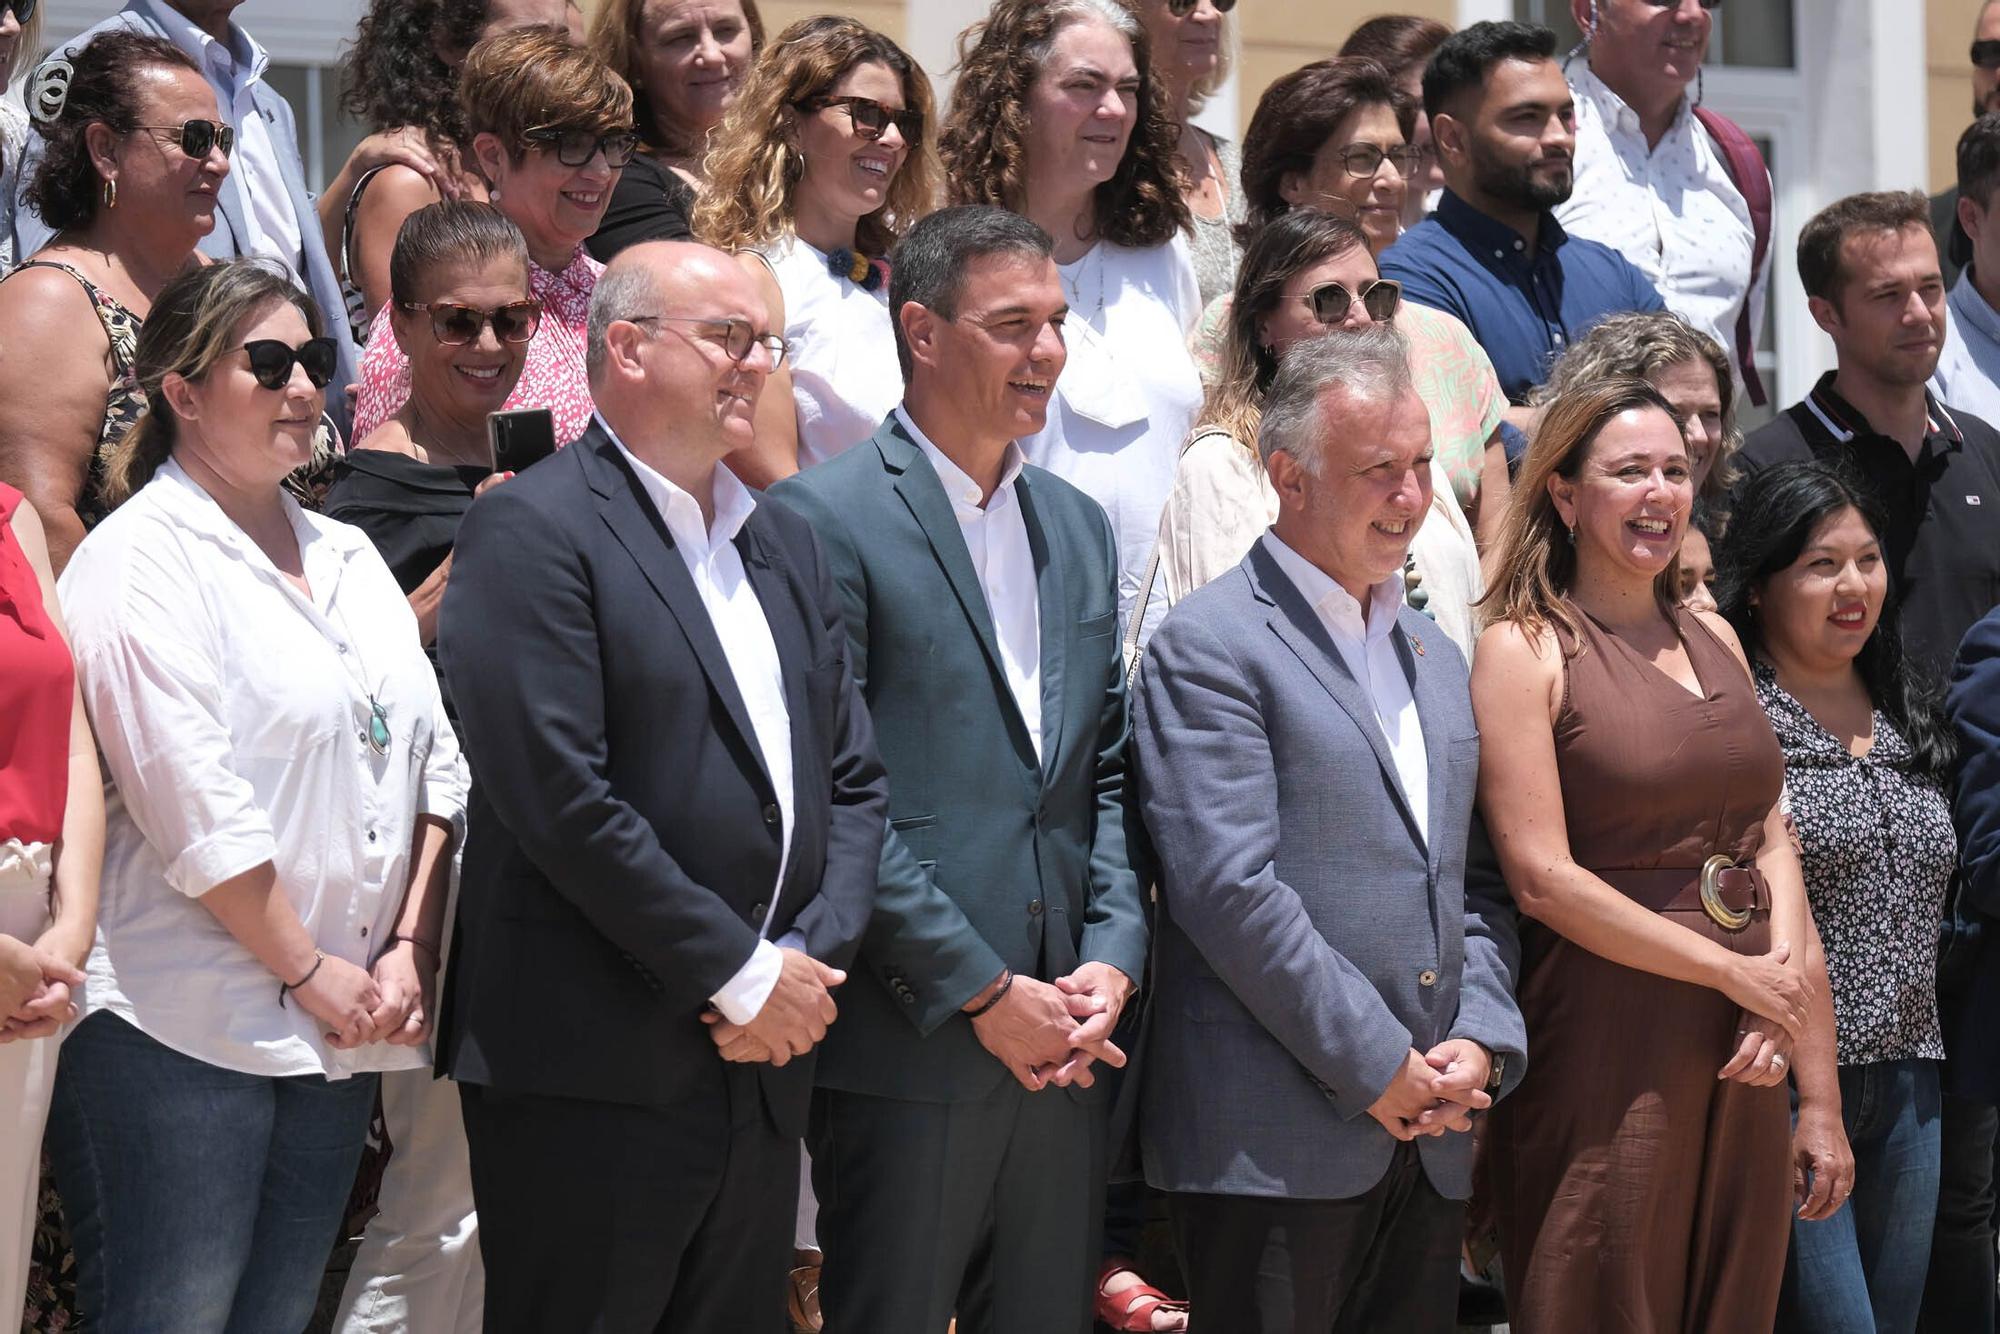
958	1146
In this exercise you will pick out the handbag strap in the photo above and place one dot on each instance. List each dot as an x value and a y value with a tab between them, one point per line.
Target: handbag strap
1151	576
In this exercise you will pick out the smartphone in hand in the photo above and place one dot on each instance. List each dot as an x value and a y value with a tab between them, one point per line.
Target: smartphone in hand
520	437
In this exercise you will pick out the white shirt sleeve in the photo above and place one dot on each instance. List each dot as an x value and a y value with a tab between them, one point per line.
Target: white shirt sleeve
742	997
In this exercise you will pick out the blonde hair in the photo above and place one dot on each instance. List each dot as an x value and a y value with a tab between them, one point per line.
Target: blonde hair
196	320
614	39
754	169
1536	565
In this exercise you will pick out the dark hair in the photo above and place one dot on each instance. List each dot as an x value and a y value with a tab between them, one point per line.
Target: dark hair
1396	41
928	265
536	78
1463	60
450	232
1979	160
392	74
1704	518
1297	115
1821	239
193	323
104	86
983	141
1774	515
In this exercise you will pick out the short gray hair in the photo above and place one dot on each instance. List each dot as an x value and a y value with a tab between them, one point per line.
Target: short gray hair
622	291
1369	365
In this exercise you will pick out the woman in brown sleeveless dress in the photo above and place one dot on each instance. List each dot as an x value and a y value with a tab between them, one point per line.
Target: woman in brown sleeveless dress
1633	1188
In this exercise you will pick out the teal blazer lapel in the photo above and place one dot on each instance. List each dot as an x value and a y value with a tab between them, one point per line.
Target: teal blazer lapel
1056	623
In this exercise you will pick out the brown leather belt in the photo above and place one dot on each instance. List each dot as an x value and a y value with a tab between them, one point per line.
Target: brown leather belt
1728	893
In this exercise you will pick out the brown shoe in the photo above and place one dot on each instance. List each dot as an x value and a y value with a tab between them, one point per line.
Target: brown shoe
802	1295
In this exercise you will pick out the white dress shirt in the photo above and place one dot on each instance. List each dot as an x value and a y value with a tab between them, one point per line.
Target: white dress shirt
996	537
1370	654
709	550
1671	209
1968	369
232	68
233	715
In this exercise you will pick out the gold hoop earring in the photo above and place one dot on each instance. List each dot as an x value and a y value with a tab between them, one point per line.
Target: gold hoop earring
110	193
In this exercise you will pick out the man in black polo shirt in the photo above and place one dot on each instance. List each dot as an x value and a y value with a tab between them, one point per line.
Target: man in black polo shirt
1870	268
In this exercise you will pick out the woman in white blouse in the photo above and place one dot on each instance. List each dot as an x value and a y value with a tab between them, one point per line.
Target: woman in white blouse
1057	116
820	164
1305	273
282	794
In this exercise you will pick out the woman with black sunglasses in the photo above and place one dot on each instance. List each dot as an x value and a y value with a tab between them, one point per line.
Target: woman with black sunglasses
128	204
820	164
284	791
551	129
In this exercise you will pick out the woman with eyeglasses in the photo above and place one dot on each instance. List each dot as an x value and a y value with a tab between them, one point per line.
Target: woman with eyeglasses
1059	116
1191	51
134	154
283	793
551	129
1335	135
818	167
1402	44
687	62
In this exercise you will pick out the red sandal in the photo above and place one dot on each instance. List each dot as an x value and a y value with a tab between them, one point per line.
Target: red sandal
1132	1308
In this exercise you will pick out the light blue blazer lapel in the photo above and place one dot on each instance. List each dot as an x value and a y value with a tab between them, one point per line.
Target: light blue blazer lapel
1414	631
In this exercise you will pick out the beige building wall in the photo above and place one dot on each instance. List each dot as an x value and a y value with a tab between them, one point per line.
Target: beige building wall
1277	38
1948	34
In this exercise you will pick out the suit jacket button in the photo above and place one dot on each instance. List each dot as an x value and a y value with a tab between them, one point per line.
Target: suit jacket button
771	816
1427	978
1035	908
757	911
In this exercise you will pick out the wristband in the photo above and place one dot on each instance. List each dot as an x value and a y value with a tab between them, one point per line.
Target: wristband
398	938
1006	981
319	957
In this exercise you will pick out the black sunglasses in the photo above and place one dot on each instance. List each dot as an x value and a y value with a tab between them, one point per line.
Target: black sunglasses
574	148
871	117
1986	55
1380	297
1180	9
197	137
455	325
23	9
271	361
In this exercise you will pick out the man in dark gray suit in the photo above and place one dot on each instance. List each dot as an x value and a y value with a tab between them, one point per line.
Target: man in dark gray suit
958	1146
1332	998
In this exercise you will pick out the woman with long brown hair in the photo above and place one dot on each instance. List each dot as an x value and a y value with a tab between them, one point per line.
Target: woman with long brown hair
1640	1176
820	164
1058	116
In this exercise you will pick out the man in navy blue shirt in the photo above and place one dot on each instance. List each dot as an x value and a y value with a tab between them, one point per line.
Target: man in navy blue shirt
1493	254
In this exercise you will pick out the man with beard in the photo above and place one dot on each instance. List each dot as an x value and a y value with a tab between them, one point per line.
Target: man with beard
1493	254
1954	245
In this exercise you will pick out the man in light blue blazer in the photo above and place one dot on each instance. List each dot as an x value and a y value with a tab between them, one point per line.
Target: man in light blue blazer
1333	992
267	208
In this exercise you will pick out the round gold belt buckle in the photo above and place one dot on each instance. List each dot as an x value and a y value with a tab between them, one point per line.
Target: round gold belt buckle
1711	895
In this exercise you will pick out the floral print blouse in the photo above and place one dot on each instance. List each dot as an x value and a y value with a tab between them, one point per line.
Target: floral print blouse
1879	851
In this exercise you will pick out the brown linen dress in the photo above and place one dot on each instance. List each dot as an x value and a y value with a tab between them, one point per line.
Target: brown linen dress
1633	1191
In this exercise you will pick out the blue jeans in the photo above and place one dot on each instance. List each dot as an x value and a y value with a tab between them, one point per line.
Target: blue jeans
200	1200
1862	1270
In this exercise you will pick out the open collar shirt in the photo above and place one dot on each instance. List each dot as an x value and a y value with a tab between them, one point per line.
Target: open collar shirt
1968	369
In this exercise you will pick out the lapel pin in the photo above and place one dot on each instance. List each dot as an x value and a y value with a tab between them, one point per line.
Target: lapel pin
1417	645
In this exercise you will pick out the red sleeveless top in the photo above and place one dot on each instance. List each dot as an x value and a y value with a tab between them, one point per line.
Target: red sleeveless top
37	683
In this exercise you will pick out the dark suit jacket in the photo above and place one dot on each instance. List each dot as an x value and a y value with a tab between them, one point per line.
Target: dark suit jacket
992	859
624	835
1969	965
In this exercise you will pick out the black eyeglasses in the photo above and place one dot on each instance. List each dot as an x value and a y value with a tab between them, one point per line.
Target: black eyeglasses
1380	297
1180	9
1362	160
23	9
1676	4
197	137
455	325
737	338
1986	55
574	148
871	117
271	361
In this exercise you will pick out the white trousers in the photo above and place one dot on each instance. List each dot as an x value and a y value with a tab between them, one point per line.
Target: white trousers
418	1270
27	1074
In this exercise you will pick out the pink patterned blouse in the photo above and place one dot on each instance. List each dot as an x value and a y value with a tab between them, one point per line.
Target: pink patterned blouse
552	377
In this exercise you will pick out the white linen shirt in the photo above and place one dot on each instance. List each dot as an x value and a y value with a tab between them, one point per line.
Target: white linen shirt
1128	395
232	714
1968	369
1671	209
845	376
713	562
231	68
1370	654
996	537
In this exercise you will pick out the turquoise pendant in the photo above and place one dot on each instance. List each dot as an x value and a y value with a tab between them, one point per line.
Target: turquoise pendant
378	727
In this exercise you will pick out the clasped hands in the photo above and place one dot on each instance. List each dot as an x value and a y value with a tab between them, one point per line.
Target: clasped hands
794	1017
1436	1090
390	1002
1776	997
35	990
1051	1033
